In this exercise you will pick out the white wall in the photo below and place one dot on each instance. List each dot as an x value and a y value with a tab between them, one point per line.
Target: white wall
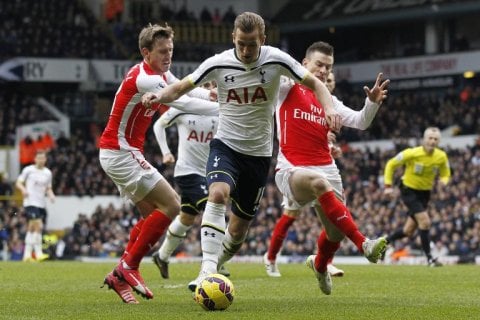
63	213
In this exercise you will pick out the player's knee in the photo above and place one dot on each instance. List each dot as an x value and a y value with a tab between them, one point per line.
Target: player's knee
320	185
292	213
218	195
238	232
172	209
187	219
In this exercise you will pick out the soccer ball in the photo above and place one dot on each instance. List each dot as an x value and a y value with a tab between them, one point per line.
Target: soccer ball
215	292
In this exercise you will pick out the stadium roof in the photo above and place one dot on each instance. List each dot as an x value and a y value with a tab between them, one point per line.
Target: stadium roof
309	15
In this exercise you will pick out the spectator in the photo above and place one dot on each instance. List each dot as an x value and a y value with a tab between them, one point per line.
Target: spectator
229	16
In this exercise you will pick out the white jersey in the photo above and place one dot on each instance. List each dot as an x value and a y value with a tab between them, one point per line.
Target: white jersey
247	94
194	135
37	182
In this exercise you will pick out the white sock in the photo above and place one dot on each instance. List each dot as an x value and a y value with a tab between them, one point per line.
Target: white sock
212	234
230	247
27	252
37	245
176	232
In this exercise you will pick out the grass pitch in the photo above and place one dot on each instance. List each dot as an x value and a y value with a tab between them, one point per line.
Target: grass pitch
71	290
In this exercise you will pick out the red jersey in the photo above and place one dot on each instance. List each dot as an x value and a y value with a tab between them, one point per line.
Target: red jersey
302	128
129	119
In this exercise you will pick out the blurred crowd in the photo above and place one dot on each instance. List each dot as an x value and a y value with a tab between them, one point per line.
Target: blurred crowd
455	210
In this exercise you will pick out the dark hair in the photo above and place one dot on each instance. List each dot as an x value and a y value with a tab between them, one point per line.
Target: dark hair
320	46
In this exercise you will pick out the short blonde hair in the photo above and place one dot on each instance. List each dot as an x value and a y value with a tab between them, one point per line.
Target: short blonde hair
248	21
151	33
432	130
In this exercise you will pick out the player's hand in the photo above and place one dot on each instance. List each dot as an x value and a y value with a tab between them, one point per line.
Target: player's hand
149	99
334	120
388	192
168	158
336	152
379	91
331	137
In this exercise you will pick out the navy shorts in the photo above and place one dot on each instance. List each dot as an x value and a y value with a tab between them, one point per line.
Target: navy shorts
194	193
34	213
415	200
246	175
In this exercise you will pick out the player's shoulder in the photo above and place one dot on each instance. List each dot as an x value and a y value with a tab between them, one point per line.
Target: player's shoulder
416	150
440	153
269	53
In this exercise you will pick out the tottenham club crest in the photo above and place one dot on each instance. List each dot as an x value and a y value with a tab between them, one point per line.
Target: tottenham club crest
262	74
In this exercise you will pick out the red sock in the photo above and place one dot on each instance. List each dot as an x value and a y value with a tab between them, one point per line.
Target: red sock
153	228
326	251
279	234
133	237
339	215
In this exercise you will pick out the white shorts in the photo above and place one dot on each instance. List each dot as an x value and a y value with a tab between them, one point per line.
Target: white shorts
134	176
330	172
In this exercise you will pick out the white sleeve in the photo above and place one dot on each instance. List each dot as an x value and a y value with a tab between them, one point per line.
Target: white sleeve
195	105
165	121
356	119
285	85
24	174
200	93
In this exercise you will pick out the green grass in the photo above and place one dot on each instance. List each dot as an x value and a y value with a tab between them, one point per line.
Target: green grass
71	290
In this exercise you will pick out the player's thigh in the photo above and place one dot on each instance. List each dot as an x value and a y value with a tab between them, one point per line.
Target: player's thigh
164	198
250	187
222	165
193	193
423	220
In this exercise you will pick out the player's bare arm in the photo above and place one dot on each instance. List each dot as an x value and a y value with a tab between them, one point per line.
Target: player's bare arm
168	158
168	94
379	91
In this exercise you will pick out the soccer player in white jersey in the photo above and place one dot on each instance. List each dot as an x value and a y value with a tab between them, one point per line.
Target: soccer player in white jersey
121	155
248	78
35	184
306	173
194	135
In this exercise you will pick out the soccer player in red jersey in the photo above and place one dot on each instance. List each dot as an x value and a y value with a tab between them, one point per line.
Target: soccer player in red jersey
121	155
306	173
